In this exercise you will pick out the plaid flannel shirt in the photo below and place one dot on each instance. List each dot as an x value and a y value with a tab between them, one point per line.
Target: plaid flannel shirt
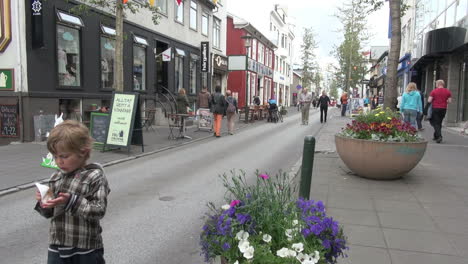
76	224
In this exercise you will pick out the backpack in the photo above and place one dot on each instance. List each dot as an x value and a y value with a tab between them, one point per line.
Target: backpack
231	107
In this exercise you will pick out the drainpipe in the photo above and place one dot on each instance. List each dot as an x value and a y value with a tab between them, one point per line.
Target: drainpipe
20	68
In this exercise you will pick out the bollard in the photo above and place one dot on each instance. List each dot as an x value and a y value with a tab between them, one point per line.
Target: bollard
307	167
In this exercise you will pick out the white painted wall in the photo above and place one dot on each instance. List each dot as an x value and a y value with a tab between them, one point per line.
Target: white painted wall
14	57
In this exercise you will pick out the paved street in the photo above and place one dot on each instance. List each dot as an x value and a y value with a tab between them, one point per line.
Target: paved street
157	202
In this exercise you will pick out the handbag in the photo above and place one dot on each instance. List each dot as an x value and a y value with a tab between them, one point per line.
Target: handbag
428	111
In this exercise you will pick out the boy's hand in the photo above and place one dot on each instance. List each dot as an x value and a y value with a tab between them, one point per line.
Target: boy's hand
62	198
38	196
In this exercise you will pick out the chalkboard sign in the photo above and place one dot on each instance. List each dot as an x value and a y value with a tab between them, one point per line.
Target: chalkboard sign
9	122
98	126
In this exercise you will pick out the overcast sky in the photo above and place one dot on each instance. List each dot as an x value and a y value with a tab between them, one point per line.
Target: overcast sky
317	14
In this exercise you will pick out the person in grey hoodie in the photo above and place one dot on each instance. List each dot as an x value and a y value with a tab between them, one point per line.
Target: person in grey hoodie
411	104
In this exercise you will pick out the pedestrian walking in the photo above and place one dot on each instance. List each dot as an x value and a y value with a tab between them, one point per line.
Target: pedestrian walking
440	97
231	111
204	99
79	198
420	116
344	103
182	102
314	103
305	99
381	98
411	104
323	102
218	103
366	104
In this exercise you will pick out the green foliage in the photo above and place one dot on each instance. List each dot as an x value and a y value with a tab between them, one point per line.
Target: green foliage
308	58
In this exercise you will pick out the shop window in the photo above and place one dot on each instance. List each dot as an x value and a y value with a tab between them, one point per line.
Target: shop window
179	69
193	15
68	50
205	24
193	73
216	33
179	12
107	57
139	63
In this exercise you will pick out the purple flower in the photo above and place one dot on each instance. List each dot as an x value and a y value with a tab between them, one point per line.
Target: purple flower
264	176
226	246
243	218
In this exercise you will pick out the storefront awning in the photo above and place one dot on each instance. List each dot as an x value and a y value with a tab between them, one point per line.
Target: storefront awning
140	40
69	19
108	30
180	52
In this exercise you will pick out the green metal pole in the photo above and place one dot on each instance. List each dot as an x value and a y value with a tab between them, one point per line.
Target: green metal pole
307	167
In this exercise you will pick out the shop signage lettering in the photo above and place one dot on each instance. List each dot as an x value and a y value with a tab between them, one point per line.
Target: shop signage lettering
9	122
121	120
37	36
205	63
220	62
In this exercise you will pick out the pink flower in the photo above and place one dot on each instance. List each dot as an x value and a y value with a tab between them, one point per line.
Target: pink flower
264	176
234	203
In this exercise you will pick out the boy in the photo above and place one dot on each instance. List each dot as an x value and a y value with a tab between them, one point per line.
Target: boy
80	201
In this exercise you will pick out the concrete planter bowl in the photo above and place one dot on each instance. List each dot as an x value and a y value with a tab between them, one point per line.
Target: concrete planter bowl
379	160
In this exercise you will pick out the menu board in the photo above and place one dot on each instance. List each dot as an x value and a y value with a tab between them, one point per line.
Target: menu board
98	126
121	119
9	122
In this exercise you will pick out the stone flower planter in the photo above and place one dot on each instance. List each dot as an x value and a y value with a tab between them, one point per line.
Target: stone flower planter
379	160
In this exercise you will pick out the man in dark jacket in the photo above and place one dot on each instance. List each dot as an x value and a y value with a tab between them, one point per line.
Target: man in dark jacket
323	102
219	110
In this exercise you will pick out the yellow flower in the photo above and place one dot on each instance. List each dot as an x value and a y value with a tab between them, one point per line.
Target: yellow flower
389	118
382	112
377	114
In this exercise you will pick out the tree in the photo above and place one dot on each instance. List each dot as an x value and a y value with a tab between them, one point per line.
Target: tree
117	8
308	57
397	9
334	89
348	53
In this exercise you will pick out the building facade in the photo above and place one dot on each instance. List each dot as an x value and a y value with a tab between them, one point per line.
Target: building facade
243	39
283	36
296	88
63	62
436	40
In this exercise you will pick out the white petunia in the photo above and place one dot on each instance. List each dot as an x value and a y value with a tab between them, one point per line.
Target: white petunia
243	245
302	257
237	262
242	235
288	232
249	252
299	247
267	238
225	207
316	257
295	222
292	253
283	253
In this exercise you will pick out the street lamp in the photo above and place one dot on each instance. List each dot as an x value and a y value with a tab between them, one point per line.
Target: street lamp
247	43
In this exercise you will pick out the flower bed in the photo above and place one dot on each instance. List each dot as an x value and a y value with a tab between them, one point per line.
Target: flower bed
381	125
263	223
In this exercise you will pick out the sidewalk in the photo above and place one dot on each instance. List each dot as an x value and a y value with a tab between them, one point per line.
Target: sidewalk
421	218
20	163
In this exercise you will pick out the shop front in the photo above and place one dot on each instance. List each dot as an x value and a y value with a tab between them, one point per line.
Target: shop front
220	71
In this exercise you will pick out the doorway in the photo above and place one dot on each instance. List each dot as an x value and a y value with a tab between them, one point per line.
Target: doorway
161	68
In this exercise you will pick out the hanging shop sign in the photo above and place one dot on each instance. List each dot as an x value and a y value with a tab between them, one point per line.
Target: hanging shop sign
220	62
205	51
37	28
5	24
7	80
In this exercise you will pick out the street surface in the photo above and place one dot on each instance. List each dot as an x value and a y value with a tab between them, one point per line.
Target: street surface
157	202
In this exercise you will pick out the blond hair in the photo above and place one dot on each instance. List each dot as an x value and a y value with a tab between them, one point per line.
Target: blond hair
228	92
411	87
182	91
440	83
70	136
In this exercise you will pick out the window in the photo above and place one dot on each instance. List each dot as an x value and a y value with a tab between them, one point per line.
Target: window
216	33
107	57
193	15
204	24
162	4
179	69
139	67
261	53
179	12
193	73
254	49
68	56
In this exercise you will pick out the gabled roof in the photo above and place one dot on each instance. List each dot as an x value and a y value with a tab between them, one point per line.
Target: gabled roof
244	24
